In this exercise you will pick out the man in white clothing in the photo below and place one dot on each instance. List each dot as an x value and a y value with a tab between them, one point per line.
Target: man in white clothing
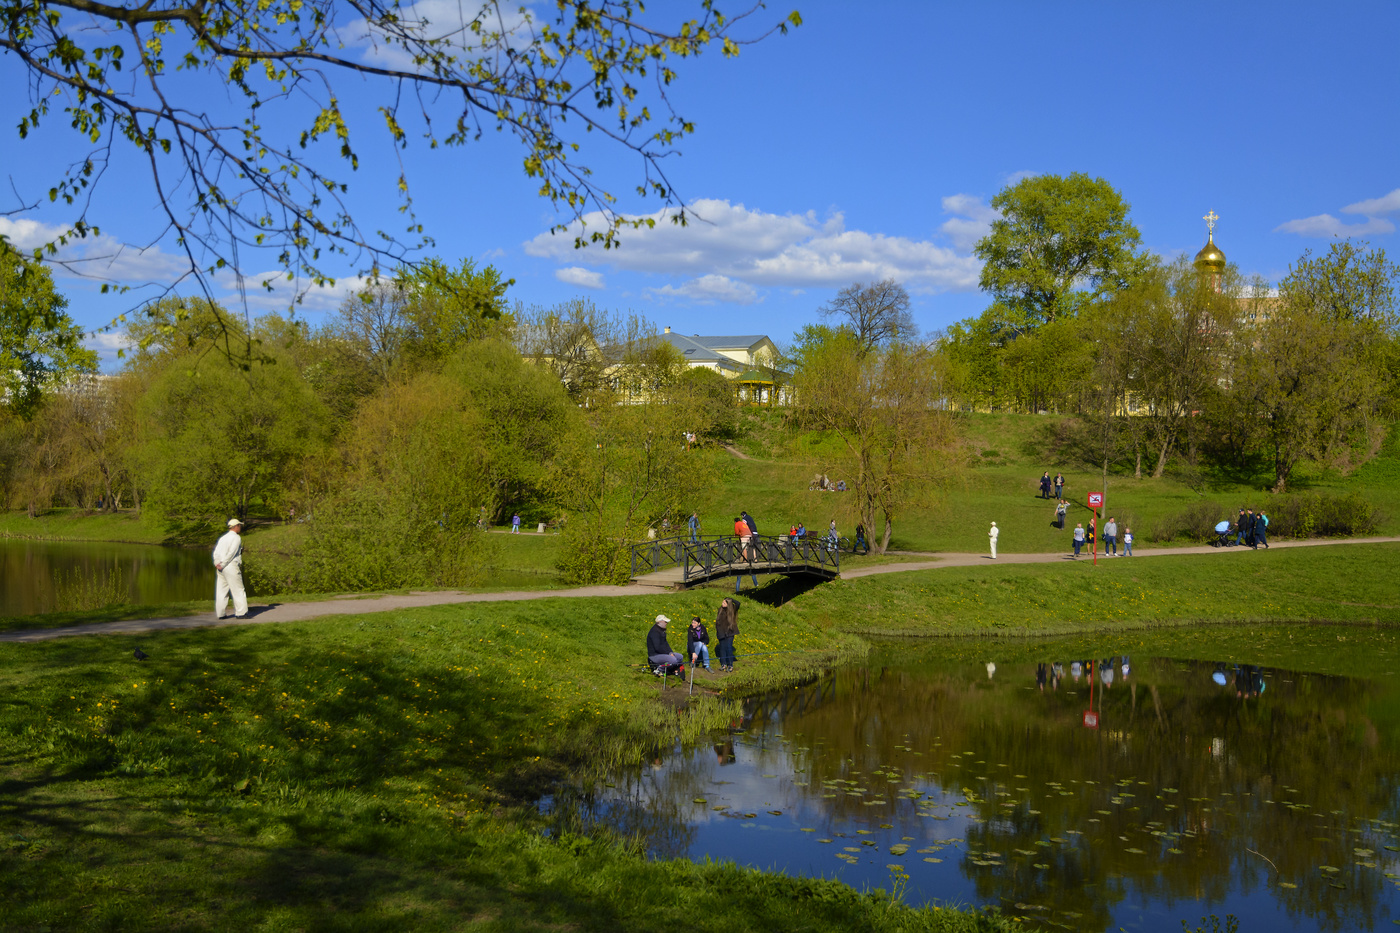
993	536
228	562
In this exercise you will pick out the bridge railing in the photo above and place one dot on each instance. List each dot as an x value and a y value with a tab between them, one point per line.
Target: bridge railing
723	553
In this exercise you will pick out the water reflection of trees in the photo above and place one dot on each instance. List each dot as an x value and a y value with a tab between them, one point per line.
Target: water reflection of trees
1297	775
1250	791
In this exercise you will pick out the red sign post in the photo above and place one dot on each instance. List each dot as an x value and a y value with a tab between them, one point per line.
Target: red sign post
1095	503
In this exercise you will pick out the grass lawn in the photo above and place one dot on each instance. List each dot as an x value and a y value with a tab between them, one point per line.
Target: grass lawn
374	772
82	525
1001	484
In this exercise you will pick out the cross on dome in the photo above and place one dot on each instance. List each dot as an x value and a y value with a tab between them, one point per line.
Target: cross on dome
1210	220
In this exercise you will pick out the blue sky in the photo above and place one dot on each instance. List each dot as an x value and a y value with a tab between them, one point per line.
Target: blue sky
867	143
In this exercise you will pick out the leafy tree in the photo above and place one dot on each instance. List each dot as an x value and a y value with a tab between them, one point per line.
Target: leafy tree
420	462
1059	243
877	313
713	400
623	469
223	438
448	308
40	346
600	356
887	409
230	183
1315	373
1175	329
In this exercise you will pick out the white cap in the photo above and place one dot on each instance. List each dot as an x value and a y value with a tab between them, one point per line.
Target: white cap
233	521
662	619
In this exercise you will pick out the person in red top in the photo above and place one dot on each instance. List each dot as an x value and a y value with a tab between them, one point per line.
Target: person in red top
744	530
741	528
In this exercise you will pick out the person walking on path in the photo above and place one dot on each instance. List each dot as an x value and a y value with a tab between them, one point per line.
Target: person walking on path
726	628
1060	487
1261	529
1078	539
992	536
1045	485
515	524
1252	523
1110	538
228	567
1240	529
699	642
659	651
1060	510
1127	542
694	524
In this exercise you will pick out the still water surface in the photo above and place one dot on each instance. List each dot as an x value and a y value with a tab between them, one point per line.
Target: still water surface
1271	796
153	575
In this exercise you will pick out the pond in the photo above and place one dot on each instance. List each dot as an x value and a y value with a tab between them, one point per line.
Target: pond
32	573
1231	771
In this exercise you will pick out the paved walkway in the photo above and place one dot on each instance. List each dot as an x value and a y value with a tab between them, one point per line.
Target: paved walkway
357	605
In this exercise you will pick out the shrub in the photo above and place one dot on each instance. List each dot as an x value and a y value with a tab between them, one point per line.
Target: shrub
1314	515
1196	522
1294	515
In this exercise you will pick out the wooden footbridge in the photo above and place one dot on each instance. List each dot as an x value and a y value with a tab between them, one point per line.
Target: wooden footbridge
683	561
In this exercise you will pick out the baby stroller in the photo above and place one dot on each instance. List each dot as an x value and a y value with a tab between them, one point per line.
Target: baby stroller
1222	535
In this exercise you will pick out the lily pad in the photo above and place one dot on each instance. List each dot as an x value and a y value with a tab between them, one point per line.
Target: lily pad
898	849
807	829
934	860
701	800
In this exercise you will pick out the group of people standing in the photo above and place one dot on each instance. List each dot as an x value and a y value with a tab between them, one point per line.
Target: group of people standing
665	661
1086	537
1252	530
1046	482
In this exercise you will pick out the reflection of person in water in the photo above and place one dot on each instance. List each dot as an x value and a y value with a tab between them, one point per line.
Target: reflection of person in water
1076	670
1249	681
724	752
1040	676
1057	674
1106	672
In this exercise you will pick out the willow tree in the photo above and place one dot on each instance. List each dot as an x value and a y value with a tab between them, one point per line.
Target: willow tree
888	409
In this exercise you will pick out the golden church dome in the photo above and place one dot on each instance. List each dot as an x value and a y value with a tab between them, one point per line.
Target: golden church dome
1210	258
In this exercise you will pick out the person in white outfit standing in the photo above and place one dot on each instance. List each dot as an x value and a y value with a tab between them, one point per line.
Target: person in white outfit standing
228	563
993	536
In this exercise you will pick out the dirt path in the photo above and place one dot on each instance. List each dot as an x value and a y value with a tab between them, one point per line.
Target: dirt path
352	605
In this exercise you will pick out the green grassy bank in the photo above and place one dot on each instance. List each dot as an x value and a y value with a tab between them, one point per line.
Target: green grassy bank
1005	456
374	772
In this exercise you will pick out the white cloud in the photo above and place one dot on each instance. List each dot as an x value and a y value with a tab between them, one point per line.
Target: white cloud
763	249
1020	176
446	22
1387	204
107	344
971	221
708	290
101	258
281	295
1325	225
577	275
